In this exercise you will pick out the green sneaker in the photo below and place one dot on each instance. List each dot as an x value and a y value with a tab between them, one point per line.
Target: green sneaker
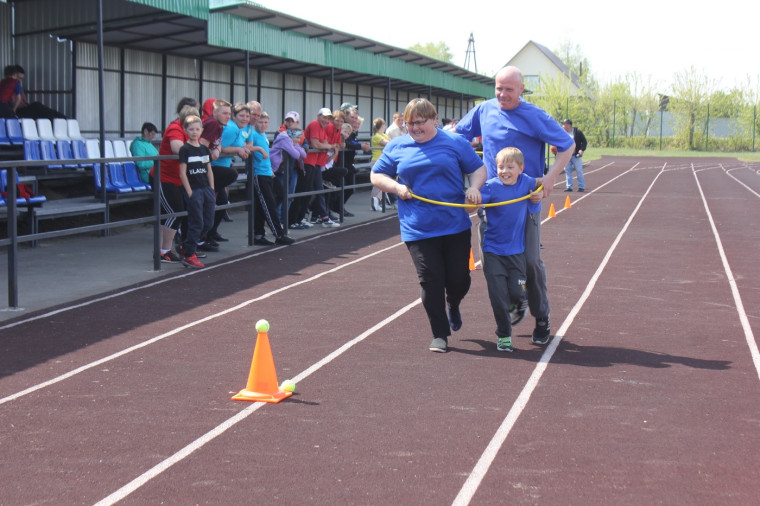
504	344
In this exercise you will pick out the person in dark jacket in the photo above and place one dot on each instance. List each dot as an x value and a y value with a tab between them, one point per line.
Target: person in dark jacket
576	162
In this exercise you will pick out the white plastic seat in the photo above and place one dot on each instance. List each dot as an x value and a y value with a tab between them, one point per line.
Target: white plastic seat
109	149
61	129
74	133
120	149
45	130
29	129
93	148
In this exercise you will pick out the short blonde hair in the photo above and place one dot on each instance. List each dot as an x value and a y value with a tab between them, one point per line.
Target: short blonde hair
510	154
190	119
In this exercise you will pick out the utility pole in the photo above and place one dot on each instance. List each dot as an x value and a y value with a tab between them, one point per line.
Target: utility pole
470	50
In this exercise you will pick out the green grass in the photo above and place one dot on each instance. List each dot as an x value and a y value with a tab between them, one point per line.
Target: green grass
596	153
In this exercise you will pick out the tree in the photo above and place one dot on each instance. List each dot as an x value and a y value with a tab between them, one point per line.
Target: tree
439	51
689	105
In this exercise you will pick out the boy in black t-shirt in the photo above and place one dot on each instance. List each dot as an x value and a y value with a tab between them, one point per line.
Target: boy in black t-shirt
198	183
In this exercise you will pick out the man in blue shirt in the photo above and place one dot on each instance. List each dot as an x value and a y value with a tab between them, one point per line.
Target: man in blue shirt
507	120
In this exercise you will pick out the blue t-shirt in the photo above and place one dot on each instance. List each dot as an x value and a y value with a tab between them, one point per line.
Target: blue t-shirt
261	166
232	136
434	170
526	128
505	232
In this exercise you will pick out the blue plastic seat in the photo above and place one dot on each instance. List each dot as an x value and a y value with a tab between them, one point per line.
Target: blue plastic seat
20	201
132	176
79	150
13	127
49	154
32	150
4	140
64	153
116	174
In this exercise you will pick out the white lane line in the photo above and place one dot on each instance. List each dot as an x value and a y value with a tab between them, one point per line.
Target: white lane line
191	272
728	171
587	194
220	429
475	478
748	335
177	330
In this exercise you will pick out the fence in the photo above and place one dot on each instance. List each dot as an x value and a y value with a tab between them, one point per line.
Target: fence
667	124
103	204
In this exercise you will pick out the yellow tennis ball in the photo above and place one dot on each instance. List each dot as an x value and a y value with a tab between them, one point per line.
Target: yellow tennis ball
288	386
262	326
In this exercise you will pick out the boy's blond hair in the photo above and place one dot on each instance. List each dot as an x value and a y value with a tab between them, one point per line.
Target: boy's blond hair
189	120
510	155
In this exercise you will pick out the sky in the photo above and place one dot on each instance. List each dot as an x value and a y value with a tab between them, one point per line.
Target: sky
654	39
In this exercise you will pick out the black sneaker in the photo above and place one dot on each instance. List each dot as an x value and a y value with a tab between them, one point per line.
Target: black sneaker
517	312
208	246
347	214
581	190
284	240
217	237
439	345
455	318
568	189
170	257
262	241
542	332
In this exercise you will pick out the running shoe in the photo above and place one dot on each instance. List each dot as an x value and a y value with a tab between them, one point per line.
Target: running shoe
542	332
170	257
504	344
192	261
439	345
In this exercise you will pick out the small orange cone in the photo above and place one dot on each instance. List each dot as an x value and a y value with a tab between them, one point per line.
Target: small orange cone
568	205
262	383
472	261
552	213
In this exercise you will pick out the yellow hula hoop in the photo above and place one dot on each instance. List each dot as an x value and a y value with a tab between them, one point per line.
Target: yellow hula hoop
492	204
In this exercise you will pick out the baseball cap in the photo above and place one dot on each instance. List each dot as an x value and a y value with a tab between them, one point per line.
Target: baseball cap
294	116
566	122
325	112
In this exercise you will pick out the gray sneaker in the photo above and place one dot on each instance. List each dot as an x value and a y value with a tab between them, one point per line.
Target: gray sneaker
439	345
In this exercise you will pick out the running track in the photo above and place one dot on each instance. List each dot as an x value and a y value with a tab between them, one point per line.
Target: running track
648	393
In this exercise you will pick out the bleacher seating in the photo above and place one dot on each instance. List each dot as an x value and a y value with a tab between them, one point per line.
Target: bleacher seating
131	174
36	200
29	129
93	151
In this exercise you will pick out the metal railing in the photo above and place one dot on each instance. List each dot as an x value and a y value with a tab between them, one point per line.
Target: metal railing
13	239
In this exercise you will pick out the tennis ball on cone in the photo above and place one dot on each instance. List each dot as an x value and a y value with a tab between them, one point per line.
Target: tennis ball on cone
262	326
288	386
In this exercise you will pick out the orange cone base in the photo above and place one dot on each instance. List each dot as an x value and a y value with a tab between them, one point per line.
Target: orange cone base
274	398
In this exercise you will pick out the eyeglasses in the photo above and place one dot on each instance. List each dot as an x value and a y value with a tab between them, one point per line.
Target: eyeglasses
414	124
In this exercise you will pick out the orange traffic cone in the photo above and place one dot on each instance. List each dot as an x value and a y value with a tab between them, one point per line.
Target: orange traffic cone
552	213
568	205
262	379
472	261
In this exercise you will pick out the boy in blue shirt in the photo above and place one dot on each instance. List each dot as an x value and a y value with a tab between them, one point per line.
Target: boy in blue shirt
504	240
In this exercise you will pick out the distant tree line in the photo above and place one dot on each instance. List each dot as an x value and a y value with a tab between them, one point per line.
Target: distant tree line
689	114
